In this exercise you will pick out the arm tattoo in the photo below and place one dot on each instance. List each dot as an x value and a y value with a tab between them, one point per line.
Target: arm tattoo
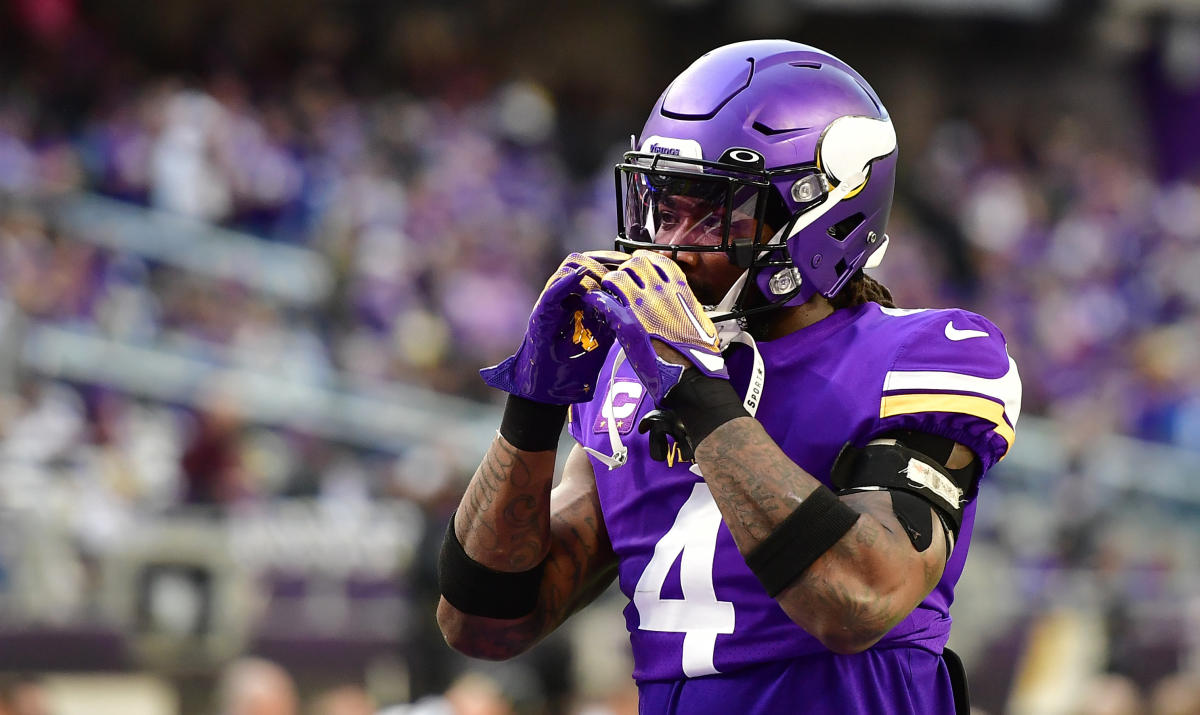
861	585
503	517
508	519
822	589
756	485
580	565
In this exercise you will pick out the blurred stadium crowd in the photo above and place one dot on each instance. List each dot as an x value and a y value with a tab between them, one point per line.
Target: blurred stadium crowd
350	235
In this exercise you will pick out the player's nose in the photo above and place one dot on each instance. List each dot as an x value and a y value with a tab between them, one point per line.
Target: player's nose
685	259
669	244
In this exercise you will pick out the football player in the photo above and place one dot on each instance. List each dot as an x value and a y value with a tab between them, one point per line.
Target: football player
777	464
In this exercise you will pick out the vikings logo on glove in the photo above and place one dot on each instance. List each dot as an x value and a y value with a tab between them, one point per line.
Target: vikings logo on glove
593	298
582	336
548	366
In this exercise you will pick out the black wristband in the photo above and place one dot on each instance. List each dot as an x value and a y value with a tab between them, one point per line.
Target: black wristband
532	426
478	590
704	403
809	531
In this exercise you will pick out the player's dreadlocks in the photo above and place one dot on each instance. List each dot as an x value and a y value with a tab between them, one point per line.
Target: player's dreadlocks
862	288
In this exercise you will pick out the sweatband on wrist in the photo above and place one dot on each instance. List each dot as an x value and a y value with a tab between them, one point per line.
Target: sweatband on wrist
478	590
809	531
704	403
532	426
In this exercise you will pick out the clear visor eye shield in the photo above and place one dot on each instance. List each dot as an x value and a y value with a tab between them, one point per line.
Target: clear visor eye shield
686	204
682	204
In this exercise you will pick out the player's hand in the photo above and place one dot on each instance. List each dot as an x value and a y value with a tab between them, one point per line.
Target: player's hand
646	301
566	342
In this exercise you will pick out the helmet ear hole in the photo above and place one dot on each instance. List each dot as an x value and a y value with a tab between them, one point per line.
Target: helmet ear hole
840	230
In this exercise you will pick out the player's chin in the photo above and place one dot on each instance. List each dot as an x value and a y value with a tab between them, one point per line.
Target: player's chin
706	293
707	285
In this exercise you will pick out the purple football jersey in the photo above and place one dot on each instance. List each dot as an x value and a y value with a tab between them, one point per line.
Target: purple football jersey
696	611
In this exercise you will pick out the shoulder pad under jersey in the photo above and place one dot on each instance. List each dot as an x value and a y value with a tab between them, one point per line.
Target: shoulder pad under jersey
952	376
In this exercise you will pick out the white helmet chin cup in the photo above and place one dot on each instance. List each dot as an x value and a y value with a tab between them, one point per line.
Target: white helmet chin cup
877	257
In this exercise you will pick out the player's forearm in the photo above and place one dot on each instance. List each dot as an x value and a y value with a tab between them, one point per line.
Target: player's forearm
855	591
579	566
753	482
502	523
501	638
488	638
864	585
503	520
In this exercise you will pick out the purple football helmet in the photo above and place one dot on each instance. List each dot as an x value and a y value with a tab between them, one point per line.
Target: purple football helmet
764	133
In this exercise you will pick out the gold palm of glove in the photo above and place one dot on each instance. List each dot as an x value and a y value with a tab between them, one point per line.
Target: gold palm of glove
596	264
654	287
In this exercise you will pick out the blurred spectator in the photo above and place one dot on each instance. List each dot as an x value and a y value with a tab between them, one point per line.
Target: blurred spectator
23	695
211	461
185	176
343	700
1110	695
253	686
471	694
1176	695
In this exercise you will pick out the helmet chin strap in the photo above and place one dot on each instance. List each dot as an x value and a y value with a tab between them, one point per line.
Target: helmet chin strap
721	313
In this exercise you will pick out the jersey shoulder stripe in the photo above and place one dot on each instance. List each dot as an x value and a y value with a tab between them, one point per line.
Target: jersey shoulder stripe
1005	389
980	407
997	400
953	362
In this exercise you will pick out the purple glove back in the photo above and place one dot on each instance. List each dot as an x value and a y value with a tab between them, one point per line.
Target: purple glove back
565	342
647	298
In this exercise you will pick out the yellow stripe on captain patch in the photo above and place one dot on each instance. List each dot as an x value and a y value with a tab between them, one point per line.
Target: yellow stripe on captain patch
966	404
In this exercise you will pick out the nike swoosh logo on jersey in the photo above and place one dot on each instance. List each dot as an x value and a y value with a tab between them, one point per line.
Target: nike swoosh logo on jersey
954	333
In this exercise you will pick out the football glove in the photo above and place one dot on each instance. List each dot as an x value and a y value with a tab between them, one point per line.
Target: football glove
565	342
647	298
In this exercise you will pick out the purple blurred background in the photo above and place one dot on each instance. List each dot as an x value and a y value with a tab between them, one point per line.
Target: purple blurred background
252	255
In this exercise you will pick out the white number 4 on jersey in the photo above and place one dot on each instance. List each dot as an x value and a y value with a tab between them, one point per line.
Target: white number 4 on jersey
698	615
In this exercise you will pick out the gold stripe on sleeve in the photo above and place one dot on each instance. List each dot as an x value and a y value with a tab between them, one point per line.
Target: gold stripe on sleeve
965	404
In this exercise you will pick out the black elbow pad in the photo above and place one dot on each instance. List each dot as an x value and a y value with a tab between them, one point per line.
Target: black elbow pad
915	481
